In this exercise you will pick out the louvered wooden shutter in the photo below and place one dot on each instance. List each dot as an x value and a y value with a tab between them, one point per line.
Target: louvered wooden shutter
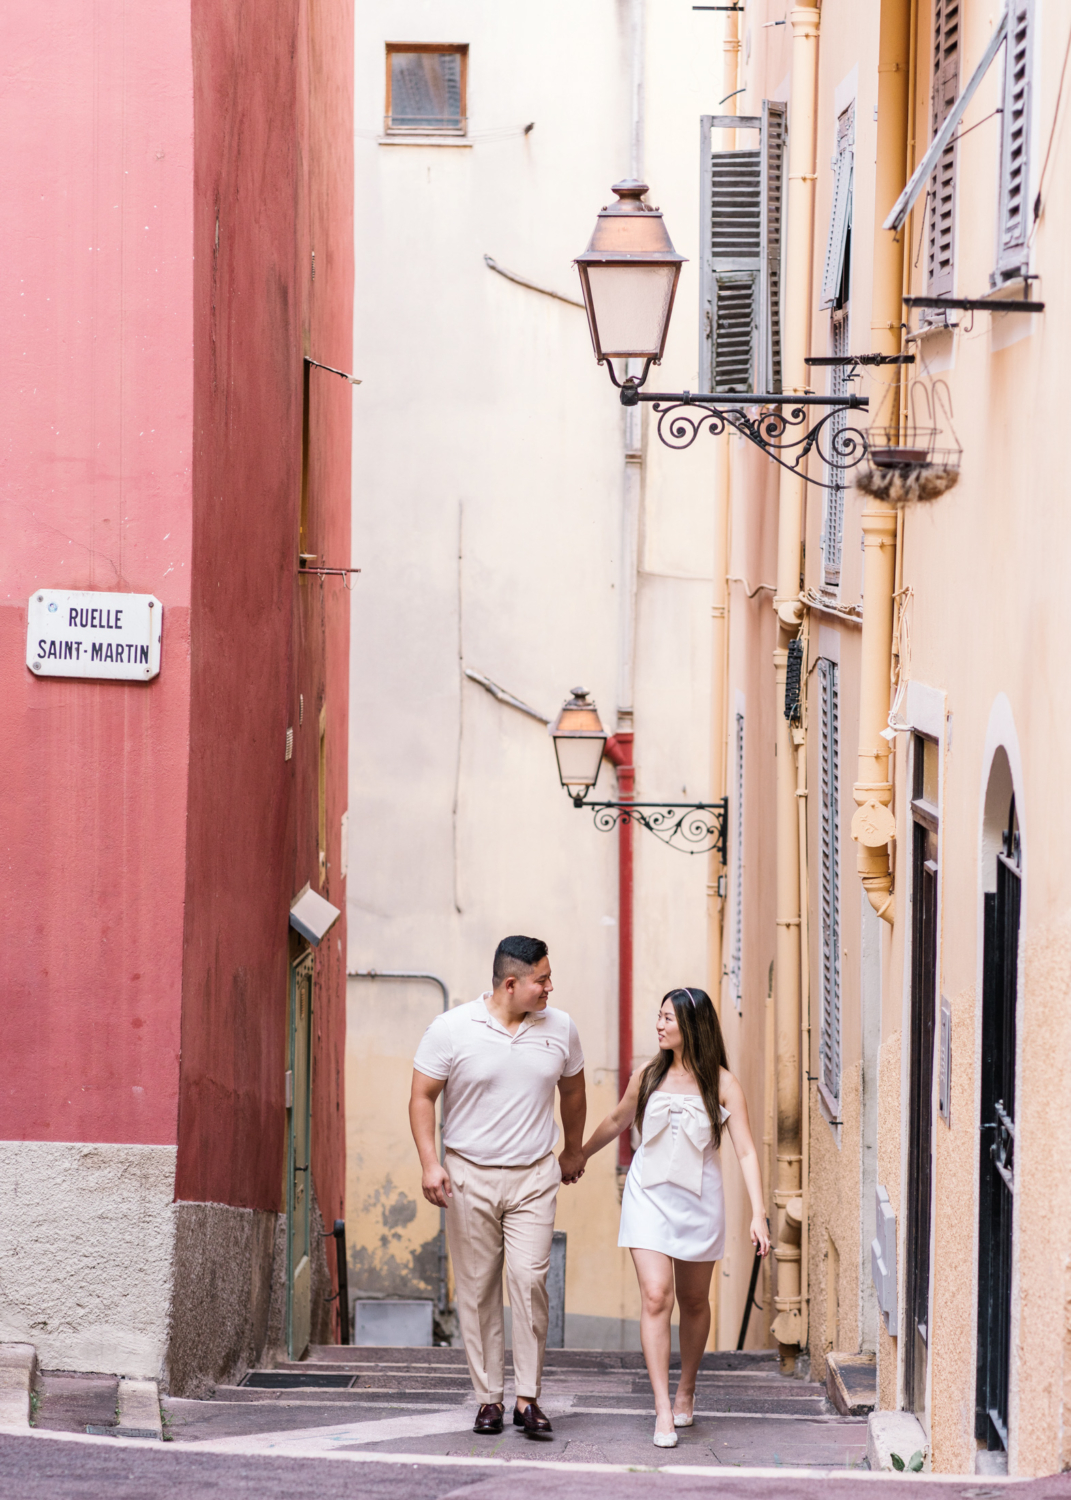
772	190
742	194
829	881
1015	142
840	219
946	24
730	209
833	529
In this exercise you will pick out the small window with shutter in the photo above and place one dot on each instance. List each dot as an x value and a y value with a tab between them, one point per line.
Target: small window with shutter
829	883
742	197
1015	144
942	192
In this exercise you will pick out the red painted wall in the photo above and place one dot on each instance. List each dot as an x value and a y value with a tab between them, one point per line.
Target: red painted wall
273	182
96	364
153	835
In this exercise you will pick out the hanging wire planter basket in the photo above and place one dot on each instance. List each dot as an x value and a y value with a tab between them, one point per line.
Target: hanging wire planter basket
917	461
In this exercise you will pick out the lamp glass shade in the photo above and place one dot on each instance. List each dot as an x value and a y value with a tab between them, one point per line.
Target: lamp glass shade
579	741
628	275
579	758
630	307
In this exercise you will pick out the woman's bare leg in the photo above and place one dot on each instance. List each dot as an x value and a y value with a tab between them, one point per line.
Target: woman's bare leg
654	1271
692	1280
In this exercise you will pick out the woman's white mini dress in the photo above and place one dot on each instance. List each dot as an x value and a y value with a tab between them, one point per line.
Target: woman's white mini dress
673	1199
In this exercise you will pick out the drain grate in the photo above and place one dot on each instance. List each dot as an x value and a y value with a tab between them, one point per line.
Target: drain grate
298	1380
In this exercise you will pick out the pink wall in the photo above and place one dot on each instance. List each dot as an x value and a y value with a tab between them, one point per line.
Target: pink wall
96	355
153	835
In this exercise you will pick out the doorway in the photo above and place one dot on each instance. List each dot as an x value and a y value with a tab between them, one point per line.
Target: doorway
298	1158
996	1197
924	815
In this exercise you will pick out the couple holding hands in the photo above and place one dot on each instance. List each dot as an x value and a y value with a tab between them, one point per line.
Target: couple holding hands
497	1061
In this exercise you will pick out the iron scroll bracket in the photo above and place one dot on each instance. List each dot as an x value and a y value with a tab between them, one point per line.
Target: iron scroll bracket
779	429
691	827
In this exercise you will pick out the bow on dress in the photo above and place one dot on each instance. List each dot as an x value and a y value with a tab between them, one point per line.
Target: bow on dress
675	1158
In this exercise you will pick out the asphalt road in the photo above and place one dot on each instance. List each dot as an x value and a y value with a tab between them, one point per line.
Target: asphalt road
47	1467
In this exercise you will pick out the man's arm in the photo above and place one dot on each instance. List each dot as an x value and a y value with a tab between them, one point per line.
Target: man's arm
574	1106
435	1181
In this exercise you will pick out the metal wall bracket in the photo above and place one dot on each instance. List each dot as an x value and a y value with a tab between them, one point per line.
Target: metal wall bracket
782	435
692	827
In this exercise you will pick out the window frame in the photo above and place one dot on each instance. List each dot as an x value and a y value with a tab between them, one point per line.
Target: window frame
389	128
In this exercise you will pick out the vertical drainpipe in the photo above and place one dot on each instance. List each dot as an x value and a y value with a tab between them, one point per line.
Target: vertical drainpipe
619	752
790	1325
719	728
873	825
619	747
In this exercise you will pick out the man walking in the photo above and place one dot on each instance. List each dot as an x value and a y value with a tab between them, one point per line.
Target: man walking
499	1059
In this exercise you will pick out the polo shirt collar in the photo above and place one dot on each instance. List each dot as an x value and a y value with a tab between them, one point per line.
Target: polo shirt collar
483	1015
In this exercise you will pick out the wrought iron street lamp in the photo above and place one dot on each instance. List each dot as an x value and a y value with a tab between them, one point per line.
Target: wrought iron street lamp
629	275
580	742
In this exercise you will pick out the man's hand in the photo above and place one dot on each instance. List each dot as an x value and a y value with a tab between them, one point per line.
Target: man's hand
434	1180
435	1184
572	1164
574	1108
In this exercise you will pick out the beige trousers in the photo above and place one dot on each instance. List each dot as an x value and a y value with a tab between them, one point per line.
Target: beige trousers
496	1213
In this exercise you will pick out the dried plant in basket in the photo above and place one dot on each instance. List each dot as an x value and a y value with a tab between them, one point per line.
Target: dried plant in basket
899	483
905	463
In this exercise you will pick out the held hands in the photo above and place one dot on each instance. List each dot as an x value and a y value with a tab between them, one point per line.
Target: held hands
572	1164
760	1236
435	1185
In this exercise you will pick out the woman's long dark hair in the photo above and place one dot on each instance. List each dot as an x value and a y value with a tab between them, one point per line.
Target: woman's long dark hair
702	1053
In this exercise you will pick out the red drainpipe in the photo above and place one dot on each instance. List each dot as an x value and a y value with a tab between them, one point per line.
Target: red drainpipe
619	752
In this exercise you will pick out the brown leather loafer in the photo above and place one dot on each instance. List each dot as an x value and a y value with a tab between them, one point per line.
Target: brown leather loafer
535	1424
489	1418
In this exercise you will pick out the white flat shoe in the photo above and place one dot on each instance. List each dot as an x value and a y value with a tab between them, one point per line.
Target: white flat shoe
680	1420
665	1439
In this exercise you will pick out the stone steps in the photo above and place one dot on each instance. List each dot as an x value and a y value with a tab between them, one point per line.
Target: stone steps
748	1384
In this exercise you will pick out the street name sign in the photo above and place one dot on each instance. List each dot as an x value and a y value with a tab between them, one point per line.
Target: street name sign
83	633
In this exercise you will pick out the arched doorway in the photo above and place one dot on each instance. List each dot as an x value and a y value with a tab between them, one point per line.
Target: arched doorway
996	1197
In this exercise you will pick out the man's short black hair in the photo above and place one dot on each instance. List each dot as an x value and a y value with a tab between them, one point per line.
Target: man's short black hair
516	953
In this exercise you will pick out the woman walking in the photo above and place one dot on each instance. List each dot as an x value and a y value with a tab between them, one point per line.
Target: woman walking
673	1207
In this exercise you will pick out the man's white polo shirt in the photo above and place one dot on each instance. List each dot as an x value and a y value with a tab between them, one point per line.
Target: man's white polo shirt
498	1104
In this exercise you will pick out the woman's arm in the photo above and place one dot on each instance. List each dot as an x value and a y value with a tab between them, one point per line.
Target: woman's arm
732	1098
619	1118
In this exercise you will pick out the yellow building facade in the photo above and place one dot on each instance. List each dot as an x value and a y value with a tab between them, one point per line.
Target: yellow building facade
922	921
857	650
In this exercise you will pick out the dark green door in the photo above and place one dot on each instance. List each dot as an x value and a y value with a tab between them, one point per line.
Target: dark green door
298	1169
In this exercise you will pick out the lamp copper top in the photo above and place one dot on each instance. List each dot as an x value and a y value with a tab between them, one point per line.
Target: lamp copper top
630	229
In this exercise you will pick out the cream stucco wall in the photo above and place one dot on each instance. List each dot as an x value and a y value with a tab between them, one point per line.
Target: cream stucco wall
491	525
